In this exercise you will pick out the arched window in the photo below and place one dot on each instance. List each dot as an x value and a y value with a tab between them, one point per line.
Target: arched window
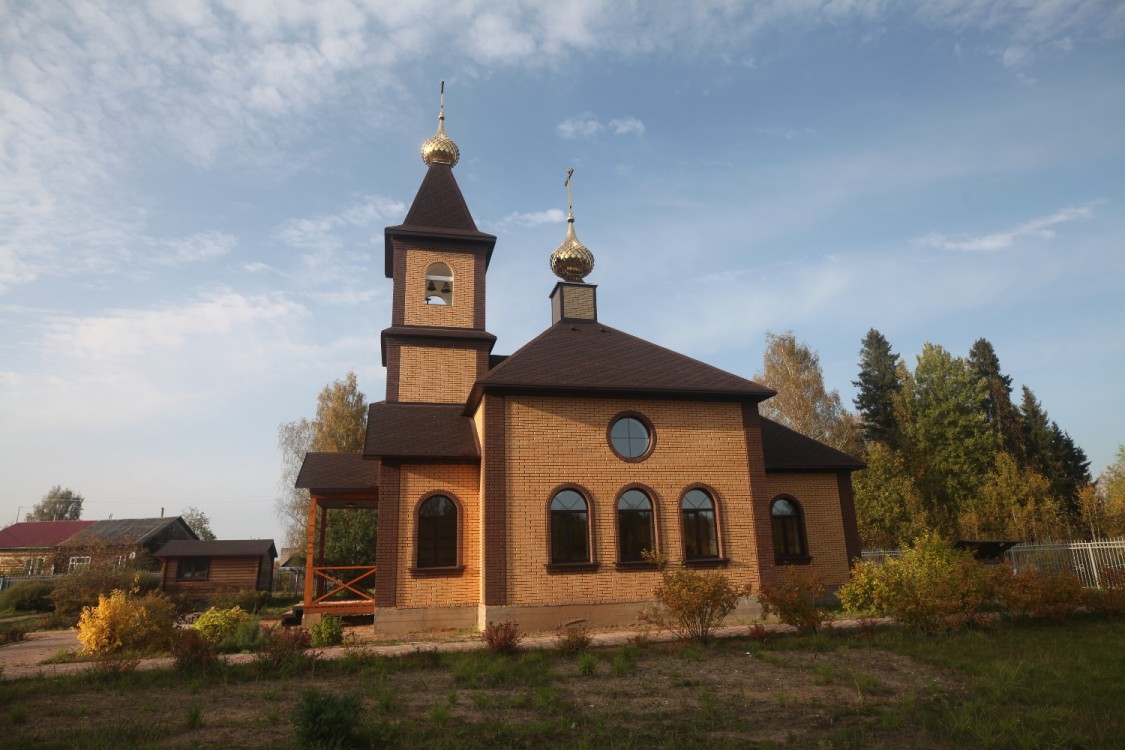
570	528
634	526
701	540
788	530
437	533
439	284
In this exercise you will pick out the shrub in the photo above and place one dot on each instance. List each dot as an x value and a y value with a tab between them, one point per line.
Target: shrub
28	596
119	622
217	625
12	633
758	633
83	587
502	637
864	593
328	720
794	599
329	631
693	603
248	600
1055	596
192	651
933	588
573	638
1104	601
284	649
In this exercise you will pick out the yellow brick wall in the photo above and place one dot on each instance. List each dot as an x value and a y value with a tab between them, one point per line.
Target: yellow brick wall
457	480
457	315
555	440
819	497
436	375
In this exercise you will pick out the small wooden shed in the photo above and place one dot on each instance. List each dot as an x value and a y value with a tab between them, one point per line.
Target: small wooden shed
197	568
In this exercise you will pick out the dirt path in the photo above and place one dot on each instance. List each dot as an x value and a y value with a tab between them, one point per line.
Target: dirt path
25	658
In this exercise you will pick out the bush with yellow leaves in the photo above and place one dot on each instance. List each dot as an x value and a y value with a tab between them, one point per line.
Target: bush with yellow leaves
119	622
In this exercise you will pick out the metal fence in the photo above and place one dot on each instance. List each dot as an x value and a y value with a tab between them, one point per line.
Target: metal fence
6	582
1098	564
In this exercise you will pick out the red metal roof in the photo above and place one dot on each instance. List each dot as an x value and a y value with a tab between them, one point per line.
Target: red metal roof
40	533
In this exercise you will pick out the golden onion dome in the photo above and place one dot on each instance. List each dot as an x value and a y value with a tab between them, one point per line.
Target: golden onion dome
572	261
440	149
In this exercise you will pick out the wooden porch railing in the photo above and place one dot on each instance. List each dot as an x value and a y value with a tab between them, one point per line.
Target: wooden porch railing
327	575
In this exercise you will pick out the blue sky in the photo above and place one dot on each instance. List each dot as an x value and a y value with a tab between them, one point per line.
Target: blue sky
192	198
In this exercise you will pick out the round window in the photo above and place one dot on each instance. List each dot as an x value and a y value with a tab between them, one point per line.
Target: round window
630	438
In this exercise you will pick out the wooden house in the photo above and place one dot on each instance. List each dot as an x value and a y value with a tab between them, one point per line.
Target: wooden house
31	548
202	569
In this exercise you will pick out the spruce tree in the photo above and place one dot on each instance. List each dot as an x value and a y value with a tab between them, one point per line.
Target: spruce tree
878	386
998	407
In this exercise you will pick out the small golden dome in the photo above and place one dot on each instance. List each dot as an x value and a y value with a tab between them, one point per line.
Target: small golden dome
440	149
572	261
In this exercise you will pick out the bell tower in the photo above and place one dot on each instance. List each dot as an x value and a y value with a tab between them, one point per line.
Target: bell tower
437	345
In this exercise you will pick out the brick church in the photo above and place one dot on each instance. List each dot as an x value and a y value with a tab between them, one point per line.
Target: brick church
527	487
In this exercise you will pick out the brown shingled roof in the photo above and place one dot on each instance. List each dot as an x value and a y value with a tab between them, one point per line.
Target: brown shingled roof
572	356
326	472
439	209
217	548
419	431
786	449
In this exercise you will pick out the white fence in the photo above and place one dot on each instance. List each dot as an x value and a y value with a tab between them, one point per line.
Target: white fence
1098	564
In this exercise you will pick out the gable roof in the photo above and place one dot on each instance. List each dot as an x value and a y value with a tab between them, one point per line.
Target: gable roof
326	472
591	356
439	209
420	431
217	548
128	530
40	533
786	449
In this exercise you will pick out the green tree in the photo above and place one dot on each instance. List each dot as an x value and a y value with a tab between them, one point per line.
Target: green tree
1102	504
1052	452
878	386
198	522
340	426
889	507
998	407
57	505
1014	503
948	441
802	403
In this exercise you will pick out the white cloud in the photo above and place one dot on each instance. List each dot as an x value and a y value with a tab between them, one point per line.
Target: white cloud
323	231
582	126
533	218
1040	227
627	125
587	124
127	365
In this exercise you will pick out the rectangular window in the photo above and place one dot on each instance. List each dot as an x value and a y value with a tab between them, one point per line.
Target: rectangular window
77	562
33	566
194	569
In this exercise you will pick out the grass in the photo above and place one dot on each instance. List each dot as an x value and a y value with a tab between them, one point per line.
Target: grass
1013	686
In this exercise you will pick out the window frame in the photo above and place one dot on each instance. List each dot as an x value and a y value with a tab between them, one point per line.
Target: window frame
654	534
590	563
797	533
645	422
457	567
716	524
77	561
198	570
